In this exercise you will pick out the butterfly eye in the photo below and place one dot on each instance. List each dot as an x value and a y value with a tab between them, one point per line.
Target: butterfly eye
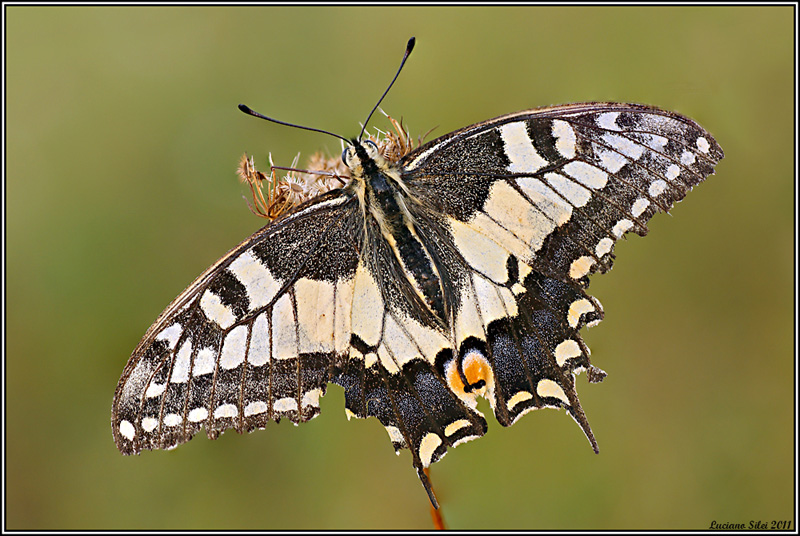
372	144
344	157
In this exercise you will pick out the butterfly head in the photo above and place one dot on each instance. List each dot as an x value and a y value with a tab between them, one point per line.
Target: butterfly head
364	158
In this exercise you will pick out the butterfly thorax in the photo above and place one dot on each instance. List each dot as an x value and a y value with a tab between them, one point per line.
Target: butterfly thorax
389	207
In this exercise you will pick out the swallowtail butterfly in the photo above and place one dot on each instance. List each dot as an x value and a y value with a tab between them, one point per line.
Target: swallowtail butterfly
454	271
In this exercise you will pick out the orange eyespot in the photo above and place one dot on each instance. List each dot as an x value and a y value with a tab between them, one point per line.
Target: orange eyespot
477	371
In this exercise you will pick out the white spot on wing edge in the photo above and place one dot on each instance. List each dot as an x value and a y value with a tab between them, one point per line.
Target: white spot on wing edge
580	267
518	398
703	144
673	171
198	414
226	411
622	227
549	388
603	247
657	188
285	404
127	430
155	389
149	424
687	158
311	398
577	309
639	206
455	426
427	447
566	350
172	419
394	434
255	408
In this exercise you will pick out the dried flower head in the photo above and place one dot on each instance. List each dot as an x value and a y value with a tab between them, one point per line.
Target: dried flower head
275	196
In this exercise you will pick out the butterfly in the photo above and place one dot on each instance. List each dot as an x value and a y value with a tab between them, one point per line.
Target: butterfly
454	271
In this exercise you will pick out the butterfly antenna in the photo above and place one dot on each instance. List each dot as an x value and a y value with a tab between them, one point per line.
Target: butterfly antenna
248	111
409	48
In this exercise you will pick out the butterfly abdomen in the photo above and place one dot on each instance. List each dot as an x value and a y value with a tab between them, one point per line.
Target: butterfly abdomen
387	202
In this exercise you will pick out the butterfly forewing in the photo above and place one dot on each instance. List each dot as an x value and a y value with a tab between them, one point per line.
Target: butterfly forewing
558	186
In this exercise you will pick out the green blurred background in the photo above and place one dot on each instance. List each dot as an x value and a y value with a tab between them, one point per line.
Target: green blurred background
122	140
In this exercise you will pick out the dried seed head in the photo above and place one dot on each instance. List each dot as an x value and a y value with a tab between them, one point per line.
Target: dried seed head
395	145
